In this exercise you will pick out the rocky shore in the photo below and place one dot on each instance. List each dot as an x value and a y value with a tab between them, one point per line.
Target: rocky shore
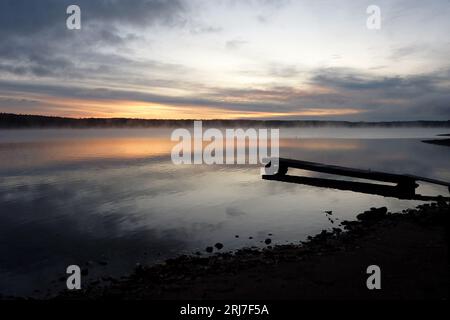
409	247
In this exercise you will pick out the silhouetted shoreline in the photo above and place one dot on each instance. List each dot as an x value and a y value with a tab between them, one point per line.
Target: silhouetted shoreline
411	248
13	121
441	142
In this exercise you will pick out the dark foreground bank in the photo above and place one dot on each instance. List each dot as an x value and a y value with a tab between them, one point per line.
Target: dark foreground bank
409	247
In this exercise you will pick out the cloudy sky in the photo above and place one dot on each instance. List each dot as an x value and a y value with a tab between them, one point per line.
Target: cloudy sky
262	59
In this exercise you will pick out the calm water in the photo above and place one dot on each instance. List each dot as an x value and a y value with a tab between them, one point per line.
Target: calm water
73	196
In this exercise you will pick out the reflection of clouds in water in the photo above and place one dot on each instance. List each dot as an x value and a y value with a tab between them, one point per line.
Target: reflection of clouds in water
321	144
59	214
44	227
73	216
36	154
234	212
391	155
197	227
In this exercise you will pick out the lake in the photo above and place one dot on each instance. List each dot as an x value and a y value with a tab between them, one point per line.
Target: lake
85	196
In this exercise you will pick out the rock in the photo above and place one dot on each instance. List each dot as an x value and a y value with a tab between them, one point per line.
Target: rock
236	236
250	237
107	278
268	241
209	249
372	214
218	245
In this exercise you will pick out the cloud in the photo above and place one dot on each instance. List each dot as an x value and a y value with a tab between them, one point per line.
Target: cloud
201	29
347	90
23	17
102	93
34	40
419	96
352	80
114	57
235	44
283	71
402	52
234	212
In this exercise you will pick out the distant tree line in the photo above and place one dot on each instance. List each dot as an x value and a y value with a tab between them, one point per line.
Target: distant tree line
10	120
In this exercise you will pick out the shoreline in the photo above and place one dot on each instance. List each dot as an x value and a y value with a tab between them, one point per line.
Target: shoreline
440	142
18	121
410	247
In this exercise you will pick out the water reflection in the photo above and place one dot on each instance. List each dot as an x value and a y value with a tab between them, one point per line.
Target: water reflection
78	197
48	153
356	186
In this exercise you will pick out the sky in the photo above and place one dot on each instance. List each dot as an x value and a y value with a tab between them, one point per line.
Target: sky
227	59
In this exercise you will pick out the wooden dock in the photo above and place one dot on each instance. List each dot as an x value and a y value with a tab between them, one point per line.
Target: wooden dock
404	182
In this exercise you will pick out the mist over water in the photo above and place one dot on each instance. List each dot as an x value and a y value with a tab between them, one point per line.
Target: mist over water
73	196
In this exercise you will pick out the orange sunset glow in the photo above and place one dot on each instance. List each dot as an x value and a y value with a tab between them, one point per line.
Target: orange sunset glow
268	60
135	109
